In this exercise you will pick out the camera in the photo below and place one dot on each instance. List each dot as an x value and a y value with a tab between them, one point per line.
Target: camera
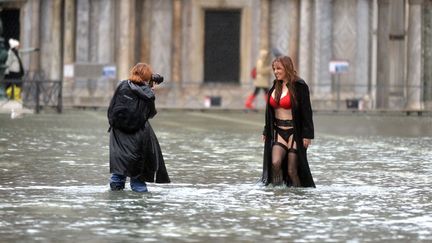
157	78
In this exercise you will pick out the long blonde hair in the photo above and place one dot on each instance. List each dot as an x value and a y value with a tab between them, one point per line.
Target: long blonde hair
292	77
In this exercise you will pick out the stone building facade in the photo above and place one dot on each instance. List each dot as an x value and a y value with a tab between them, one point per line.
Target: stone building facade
206	49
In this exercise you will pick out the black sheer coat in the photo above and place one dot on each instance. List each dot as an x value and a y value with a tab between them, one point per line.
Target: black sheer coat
138	154
303	128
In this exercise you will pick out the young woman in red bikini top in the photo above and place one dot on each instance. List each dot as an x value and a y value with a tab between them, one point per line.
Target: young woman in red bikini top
283	145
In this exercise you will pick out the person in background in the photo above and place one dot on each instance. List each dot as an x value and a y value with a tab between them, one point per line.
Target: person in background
135	153
14	71
288	129
262	78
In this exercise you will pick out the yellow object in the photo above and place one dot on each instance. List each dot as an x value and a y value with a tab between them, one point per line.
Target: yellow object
17	92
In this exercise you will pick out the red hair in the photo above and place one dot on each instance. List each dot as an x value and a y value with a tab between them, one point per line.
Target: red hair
140	73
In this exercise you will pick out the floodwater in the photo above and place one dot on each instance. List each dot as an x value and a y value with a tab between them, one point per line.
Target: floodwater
373	177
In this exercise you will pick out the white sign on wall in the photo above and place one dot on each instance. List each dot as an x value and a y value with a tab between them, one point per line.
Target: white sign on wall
68	71
338	66
109	71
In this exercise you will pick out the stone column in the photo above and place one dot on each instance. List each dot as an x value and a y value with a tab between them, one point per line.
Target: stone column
255	36
68	48
281	25
69	32
25	34
94	26
383	54
427	53
124	54
176	53
363	51
82	31
161	38
322	47
372	84
345	38
414	77
56	41
294	18
284	27
35	35
144	40
397	54
105	36
305	44
264	25
176	41
193	43
82	48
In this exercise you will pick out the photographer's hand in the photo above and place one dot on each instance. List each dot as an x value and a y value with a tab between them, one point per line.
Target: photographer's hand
154	86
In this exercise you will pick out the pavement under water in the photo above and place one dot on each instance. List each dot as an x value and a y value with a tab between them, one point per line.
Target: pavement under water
372	175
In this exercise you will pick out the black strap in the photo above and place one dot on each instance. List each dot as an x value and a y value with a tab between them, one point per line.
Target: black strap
282	145
283	123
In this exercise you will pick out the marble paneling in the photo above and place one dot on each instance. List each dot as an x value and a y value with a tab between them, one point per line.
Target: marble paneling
280	25
414	60
69	32
383	67
322	48
82	31
427	54
305	67
124	45
161	34
363	50
46	6
55	43
344	42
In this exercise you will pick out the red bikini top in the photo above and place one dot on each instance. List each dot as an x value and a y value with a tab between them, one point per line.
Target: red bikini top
284	102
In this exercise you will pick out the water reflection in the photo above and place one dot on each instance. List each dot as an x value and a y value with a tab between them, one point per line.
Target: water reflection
371	185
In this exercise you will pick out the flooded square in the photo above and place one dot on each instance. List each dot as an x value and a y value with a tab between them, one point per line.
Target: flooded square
372	175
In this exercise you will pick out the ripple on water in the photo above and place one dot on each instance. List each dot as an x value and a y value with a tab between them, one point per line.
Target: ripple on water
369	188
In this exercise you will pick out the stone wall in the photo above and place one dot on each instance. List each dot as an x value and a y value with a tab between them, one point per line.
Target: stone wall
427	54
372	35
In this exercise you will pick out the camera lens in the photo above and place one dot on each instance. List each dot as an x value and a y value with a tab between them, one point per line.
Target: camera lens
157	78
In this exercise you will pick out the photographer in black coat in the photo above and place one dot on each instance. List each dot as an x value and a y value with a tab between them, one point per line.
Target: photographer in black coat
134	149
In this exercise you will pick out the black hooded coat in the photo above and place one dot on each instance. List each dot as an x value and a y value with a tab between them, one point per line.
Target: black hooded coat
303	128
137	154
